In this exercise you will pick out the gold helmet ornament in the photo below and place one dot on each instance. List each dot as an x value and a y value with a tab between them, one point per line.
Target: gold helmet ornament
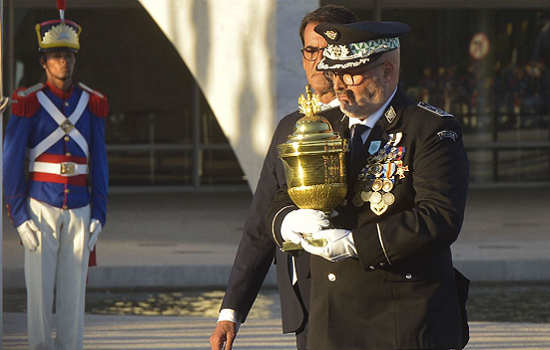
58	34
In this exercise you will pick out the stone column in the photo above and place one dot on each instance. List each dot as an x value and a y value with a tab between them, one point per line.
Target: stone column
244	55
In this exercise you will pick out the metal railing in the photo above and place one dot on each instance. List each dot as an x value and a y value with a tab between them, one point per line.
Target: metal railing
496	127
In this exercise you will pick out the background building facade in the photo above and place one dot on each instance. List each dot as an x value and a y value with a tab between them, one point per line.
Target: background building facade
196	87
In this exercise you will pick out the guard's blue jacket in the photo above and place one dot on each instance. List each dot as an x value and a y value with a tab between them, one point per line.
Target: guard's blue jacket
31	124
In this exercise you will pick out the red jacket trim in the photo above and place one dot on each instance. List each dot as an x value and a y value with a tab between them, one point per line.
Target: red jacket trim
24	102
78	180
98	104
60	158
92	261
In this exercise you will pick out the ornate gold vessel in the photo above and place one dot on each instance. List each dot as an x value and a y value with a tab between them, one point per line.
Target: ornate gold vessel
314	161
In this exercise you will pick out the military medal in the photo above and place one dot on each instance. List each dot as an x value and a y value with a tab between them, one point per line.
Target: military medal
377	185
388	198
375	198
401	169
374	147
365	196
377	179
387	185
357	200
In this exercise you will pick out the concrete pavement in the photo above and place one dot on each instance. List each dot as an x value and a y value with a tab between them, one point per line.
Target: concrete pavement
157	333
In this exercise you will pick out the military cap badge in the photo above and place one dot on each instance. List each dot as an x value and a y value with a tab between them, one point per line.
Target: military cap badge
331	34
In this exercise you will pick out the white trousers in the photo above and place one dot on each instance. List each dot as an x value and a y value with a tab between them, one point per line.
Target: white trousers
60	261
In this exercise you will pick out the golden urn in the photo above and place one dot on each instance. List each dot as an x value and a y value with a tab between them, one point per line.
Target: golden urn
314	161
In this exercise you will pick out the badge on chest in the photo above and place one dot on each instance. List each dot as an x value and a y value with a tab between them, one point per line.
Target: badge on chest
376	181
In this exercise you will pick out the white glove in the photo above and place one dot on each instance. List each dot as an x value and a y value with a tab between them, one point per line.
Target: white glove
28	231
340	245
302	221
95	229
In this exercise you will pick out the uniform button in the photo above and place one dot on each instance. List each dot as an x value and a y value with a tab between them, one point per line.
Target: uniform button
67	138
68	154
372	267
382	264
67	190
64	207
344	203
331	277
408	276
66	104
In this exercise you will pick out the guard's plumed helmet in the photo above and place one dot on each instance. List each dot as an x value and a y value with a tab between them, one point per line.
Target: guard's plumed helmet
58	34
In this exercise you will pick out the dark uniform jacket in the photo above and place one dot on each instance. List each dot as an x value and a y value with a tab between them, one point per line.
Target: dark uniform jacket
257	249
402	291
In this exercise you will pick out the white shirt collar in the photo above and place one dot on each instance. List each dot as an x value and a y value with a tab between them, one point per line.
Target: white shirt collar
371	120
332	104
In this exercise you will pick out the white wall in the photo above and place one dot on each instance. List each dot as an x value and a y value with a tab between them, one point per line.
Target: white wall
245	56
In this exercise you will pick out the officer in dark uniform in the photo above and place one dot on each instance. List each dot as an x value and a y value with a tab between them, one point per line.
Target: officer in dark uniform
385	278
257	249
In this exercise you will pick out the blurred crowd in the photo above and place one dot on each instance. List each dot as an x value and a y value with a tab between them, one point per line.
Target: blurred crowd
517	95
513	92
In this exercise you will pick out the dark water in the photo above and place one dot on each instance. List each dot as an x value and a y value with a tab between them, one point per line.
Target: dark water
487	302
509	303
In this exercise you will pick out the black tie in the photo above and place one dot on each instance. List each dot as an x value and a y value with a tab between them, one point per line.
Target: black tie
358	153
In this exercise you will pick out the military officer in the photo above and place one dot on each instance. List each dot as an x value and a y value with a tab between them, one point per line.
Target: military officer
257	249
59	220
385	278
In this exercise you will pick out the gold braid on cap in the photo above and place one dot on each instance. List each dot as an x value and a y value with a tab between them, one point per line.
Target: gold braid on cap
61	35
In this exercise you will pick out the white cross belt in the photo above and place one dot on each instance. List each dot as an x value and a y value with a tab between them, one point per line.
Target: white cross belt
66	126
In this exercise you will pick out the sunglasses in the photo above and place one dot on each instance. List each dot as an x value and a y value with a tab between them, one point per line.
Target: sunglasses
351	79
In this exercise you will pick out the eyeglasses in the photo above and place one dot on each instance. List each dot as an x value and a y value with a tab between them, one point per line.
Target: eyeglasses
351	79
311	53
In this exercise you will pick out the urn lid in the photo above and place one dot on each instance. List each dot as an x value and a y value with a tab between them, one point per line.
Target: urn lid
312	133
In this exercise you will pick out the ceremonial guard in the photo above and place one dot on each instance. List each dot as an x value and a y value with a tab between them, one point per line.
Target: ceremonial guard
62	125
384	279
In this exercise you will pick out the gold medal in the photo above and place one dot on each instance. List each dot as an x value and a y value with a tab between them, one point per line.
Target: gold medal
387	185
388	198
375	197
377	185
365	195
379	208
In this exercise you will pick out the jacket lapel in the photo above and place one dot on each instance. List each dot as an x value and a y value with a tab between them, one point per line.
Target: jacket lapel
392	115
338	121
